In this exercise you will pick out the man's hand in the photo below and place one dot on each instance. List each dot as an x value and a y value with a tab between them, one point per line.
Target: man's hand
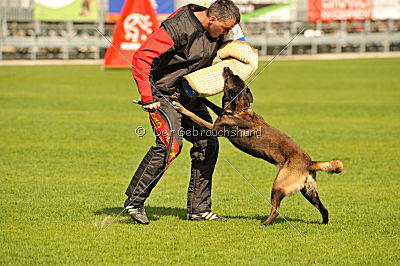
152	107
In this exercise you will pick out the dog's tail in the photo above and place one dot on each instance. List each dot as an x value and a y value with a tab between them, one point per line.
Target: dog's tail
334	166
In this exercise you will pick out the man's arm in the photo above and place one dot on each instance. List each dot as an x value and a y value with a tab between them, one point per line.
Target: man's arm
156	45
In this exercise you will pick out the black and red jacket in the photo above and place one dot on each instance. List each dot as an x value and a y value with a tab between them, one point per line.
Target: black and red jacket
180	46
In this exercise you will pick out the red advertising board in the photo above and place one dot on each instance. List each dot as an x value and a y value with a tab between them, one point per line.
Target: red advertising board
333	10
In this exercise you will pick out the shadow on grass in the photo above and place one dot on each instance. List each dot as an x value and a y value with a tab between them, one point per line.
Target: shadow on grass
278	220
154	213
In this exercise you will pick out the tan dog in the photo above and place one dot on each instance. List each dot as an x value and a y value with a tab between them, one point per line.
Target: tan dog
251	134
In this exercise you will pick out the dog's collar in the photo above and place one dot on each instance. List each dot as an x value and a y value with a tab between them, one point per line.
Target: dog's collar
226	113
234	113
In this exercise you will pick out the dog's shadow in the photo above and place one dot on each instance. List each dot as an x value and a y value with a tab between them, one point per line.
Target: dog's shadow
154	213
277	220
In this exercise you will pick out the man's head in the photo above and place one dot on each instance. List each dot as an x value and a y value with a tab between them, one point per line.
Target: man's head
222	16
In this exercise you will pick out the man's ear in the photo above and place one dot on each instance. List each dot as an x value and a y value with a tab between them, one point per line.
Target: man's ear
212	19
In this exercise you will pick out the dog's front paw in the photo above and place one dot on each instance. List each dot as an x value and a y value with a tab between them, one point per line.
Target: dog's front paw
178	107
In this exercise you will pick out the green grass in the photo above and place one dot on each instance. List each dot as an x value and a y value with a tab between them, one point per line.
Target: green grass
68	151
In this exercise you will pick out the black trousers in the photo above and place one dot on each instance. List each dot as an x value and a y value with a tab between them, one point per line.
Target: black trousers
203	154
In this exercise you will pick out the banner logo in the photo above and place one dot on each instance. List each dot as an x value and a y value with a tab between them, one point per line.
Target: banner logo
137	27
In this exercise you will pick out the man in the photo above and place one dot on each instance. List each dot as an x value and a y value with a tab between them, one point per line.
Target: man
187	41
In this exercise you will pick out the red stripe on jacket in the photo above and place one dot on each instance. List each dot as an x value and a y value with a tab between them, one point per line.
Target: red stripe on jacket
153	47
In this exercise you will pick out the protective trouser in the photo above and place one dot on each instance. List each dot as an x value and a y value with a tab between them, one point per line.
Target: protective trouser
204	155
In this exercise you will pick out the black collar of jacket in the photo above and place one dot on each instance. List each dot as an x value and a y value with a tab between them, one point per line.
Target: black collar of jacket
191	8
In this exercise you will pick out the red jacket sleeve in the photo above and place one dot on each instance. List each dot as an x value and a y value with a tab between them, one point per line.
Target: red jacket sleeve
157	44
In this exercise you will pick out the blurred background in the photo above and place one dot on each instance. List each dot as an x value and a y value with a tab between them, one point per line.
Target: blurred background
66	29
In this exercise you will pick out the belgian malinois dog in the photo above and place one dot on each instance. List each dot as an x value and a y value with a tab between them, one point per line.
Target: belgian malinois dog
236	120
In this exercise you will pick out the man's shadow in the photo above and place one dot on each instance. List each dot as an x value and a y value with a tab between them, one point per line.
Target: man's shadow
154	213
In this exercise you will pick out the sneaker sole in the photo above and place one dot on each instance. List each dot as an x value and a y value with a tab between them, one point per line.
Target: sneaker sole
139	221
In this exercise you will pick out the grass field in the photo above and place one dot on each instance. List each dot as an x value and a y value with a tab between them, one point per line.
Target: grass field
69	149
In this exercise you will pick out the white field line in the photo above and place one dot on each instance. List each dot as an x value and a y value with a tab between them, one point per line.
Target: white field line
331	56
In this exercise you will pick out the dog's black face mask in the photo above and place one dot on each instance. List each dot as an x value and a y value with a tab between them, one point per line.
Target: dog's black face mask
235	91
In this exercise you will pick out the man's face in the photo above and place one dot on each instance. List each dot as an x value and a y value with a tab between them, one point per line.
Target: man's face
217	27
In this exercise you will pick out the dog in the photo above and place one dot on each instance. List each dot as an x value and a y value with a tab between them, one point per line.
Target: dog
297	172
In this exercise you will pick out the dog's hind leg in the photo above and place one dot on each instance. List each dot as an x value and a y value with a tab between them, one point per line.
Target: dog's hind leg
310	193
289	180
276	198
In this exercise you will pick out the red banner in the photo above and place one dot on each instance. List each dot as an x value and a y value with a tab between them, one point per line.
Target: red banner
334	10
138	21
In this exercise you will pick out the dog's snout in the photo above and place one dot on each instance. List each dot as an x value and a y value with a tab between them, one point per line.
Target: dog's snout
227	71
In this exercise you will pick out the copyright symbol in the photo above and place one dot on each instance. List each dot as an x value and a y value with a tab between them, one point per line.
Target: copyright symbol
140	131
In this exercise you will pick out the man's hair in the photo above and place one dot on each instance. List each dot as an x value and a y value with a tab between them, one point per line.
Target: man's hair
224	10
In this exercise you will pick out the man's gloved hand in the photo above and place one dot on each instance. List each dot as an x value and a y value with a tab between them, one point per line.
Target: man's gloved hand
151	107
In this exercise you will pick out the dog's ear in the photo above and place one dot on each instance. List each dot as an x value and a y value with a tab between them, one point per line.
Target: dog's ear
249	95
